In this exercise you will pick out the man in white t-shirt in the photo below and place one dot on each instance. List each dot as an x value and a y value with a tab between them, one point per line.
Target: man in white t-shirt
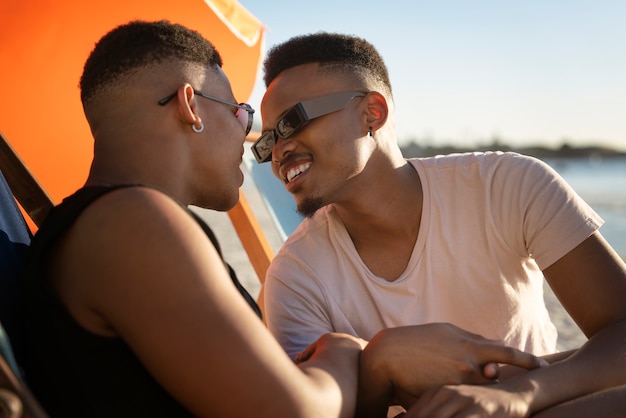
465	239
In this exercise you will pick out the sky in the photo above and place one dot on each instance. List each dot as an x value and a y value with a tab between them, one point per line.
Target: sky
465	72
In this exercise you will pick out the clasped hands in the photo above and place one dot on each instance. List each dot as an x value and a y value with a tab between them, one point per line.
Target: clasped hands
401	364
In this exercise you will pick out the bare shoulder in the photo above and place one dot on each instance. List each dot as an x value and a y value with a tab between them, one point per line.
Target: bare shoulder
129	216
137	266
130	203
129	248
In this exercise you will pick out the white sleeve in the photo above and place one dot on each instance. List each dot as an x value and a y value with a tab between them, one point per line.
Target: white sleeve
534	199
295	306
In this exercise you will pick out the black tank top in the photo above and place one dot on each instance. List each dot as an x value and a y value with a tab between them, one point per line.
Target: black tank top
73	372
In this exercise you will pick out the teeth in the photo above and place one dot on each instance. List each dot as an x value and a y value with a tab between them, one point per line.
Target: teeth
297	170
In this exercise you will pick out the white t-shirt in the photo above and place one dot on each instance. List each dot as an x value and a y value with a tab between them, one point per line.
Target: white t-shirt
490	223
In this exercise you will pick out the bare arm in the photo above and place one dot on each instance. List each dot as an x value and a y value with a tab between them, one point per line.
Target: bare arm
156	281
590	282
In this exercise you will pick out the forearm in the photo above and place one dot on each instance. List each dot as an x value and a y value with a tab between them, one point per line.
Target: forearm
333	390
556	357
507	371
598	365
332	378
375	390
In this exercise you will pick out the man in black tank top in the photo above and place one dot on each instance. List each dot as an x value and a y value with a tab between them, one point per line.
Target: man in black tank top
131	311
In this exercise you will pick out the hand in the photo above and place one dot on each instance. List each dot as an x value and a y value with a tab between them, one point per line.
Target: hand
471	401
405	362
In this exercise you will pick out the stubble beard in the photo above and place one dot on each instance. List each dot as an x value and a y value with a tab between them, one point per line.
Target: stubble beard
308	206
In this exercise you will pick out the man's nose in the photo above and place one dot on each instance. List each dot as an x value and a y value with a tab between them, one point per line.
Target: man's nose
282	148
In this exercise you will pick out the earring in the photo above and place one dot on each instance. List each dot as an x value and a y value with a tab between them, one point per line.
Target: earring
198	130
370	133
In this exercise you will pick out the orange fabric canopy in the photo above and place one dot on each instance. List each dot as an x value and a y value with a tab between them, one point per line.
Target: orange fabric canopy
43	46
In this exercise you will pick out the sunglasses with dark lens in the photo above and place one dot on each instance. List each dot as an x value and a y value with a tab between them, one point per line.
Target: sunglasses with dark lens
244	112
297	117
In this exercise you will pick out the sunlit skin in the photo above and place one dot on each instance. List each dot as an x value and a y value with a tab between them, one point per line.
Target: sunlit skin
322	135
219	146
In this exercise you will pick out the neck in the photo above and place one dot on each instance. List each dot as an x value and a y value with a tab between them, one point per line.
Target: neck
145	172
390	209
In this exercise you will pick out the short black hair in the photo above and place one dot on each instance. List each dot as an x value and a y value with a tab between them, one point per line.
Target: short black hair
336	49
140	43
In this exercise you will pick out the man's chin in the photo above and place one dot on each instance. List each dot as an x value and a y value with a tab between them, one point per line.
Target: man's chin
308	206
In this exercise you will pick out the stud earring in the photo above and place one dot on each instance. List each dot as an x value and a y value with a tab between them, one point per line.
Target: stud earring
198	130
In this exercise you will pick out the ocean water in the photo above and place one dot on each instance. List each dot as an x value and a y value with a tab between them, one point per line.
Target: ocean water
601	182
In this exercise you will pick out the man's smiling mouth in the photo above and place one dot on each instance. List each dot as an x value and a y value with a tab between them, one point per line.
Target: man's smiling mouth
296	171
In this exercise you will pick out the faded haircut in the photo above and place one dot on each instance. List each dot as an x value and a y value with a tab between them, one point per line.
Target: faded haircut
137	44
341	52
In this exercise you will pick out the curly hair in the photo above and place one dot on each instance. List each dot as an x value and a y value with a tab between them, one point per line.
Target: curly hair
140	43
347	53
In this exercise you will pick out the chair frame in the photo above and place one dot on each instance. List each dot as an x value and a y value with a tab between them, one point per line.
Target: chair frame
26	189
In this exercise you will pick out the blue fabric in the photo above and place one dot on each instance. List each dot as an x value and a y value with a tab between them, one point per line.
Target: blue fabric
14	241
278	201
7	352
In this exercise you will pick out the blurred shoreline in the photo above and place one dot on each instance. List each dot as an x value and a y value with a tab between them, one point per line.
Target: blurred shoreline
414	149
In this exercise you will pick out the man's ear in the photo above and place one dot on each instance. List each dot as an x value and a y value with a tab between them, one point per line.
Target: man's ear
377	110
187	105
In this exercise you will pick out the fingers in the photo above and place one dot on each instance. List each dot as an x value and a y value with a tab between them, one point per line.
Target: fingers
496	352
306	354
512	356
491	371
